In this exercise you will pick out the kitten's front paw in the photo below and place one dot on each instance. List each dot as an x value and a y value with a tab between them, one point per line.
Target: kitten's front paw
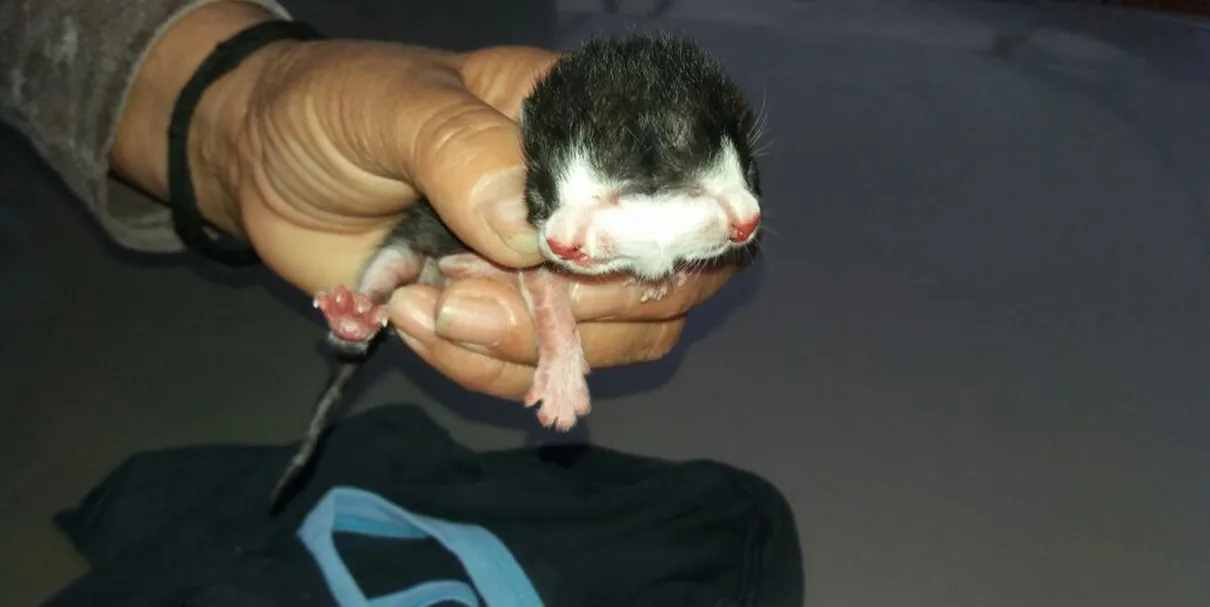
352	317
561	387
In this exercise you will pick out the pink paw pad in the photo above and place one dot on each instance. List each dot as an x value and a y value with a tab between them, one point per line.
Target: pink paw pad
351	316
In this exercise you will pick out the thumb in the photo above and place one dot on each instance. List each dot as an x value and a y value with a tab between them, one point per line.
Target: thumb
470	166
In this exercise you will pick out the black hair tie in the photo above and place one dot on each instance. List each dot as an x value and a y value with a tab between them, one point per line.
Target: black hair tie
183	200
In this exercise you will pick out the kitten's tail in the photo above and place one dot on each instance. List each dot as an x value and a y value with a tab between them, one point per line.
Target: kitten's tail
341	374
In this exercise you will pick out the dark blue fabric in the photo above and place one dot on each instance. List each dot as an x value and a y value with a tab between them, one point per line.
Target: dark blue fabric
407	508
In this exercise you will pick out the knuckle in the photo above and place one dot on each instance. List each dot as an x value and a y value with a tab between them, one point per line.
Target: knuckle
489	376
467	367
446	131
519	348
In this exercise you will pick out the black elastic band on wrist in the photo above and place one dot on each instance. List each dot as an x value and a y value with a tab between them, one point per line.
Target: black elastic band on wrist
186	217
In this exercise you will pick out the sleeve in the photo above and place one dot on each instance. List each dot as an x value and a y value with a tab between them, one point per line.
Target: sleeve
66	68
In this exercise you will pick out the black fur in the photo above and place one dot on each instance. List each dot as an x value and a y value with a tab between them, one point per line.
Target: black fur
649	110
423	232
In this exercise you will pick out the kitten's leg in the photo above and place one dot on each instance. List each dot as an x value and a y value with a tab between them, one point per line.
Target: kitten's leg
355	317
559	383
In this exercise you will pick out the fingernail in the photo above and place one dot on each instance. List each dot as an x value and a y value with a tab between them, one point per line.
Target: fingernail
412	312
473	320
502	198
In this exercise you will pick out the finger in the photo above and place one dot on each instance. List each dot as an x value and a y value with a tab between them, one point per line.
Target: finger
423	311
422	126
486	374
471	164
468	162
615	300
617	344
492	318
480	311
412	314
503	76
486	316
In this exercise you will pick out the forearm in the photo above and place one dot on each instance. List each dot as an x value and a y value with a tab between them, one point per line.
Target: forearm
67	71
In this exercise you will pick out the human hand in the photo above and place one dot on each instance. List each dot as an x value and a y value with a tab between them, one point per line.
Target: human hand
315	149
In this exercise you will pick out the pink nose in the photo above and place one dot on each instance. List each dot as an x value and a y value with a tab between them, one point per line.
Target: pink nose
742	231
570	252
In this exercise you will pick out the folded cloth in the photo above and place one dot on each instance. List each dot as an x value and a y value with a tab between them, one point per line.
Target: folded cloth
191	526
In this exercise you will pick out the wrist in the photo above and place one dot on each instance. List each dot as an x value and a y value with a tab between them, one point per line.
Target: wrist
140	150
220	141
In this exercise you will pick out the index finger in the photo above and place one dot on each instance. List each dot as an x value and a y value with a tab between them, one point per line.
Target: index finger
616	300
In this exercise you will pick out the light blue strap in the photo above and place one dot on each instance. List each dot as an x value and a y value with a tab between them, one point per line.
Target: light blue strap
494	572
429	593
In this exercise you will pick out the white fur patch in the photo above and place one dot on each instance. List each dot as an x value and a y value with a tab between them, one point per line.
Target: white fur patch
648	235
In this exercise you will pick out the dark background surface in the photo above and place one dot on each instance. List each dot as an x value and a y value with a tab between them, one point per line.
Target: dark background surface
974	355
